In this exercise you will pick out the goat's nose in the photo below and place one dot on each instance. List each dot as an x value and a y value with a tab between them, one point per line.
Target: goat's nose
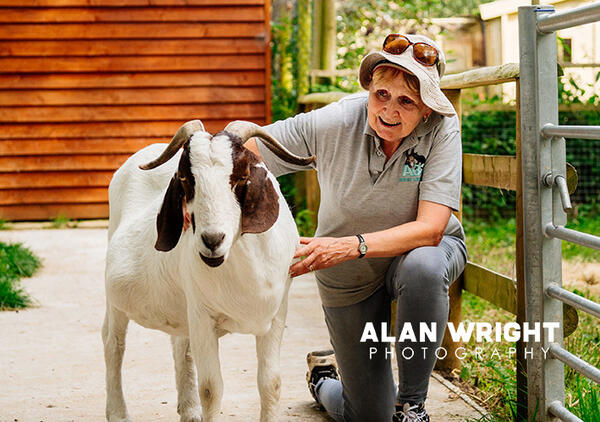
212	240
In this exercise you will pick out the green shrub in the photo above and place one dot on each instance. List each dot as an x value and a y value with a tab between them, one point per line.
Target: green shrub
16	261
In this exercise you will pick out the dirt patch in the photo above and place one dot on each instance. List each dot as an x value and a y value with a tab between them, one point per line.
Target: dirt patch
582	275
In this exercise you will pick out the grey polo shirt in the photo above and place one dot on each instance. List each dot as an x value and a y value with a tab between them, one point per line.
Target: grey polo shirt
360	191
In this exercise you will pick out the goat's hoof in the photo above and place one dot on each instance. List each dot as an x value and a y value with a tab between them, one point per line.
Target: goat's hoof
119	419
192	415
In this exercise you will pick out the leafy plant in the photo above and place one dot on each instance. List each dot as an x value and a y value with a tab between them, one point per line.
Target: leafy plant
11	295
305	223
16	261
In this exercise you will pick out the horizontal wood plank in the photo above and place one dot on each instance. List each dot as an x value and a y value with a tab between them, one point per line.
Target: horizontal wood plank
497	171
133	96
53	196
131	113
124	3
134	14
62	162
62	48
52	31
80	146
490	75
491	286
55	179
132	80
131	63
119	129
51	211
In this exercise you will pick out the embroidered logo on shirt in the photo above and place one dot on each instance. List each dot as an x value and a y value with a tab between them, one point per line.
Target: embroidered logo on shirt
413	167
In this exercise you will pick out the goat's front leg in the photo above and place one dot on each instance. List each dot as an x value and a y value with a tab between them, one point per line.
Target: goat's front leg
205	350
114	331
188	403
269	379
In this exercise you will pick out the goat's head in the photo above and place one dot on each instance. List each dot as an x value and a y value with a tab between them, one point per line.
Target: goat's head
220	187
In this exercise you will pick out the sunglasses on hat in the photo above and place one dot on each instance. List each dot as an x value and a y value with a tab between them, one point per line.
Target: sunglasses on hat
424	53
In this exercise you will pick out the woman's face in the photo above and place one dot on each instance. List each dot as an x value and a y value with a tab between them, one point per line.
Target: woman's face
394	109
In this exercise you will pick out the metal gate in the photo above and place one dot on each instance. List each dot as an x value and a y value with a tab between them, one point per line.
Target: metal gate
545	202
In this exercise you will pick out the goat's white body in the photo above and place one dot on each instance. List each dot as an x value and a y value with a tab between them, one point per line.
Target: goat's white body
179	294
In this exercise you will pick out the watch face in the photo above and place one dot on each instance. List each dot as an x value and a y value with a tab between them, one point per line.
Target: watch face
362	248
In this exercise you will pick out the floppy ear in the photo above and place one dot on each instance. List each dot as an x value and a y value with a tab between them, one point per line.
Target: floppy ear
169	221
261	203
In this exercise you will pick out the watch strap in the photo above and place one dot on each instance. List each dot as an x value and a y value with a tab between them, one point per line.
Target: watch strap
361	241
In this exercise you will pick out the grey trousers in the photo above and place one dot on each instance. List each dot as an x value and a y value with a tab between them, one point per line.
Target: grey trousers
419	280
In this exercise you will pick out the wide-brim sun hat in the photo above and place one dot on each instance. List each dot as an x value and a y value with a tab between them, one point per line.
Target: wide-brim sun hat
429	76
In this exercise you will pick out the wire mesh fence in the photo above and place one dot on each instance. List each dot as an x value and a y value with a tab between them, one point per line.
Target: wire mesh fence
493	132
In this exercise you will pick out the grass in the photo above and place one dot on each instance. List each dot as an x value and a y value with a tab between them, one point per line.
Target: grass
16	261
62	221
491	376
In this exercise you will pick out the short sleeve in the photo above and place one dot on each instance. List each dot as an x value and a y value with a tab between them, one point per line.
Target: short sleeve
296	134
441	179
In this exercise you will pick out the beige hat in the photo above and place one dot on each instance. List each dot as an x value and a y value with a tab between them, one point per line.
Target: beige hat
429	76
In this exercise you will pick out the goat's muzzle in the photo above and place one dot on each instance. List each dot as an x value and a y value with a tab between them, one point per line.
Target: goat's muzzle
212	262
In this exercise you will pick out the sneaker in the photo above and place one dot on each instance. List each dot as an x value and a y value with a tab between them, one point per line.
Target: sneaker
410	413
321	364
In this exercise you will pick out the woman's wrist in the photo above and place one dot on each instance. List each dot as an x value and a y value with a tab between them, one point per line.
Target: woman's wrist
352	245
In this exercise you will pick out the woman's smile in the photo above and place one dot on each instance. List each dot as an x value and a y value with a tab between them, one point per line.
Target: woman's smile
389	124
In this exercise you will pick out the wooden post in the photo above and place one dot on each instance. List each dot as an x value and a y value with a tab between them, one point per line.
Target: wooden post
328	34
284	36
451	362
304	44
313	194
521	362
317	34
307	184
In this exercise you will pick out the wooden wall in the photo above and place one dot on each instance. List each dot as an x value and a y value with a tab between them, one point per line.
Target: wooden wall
85	83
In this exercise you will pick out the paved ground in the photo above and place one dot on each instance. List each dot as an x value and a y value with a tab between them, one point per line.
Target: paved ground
52	366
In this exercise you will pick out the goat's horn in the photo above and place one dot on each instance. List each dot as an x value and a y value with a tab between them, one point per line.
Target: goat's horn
181	136
247	130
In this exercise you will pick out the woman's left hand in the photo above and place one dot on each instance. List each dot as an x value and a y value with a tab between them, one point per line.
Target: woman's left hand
323	252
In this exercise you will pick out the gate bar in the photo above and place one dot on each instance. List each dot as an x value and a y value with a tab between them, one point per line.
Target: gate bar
557	409
579	302
583	239
574	362
566	131
574	17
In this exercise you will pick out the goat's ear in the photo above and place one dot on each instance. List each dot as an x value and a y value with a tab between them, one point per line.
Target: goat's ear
261	205
169	221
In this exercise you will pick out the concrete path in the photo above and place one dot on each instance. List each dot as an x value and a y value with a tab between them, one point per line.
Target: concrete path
51	359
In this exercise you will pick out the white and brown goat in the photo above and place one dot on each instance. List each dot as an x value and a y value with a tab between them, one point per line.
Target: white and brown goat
200	243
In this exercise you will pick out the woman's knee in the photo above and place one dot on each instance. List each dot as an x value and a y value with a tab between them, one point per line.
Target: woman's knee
421	271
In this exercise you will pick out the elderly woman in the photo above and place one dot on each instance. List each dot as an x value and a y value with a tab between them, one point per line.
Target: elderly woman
389	168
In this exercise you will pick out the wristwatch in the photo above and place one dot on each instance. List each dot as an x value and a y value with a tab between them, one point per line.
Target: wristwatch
362	246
